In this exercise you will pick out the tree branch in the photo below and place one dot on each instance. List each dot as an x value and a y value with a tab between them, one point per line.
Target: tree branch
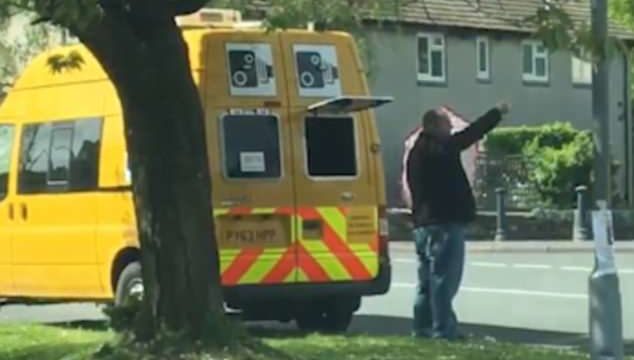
184	7
106	35
41	20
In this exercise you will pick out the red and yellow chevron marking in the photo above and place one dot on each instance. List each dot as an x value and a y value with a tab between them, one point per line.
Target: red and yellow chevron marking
334	251
332	257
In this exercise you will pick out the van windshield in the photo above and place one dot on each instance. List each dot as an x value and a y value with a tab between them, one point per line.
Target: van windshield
6	144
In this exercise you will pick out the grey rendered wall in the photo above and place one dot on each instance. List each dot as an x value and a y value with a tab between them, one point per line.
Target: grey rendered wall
394	55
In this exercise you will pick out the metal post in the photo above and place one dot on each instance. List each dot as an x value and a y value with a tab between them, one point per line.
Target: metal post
500	233
600	101
605	310
580	224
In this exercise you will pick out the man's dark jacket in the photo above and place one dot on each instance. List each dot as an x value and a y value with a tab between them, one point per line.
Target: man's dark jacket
440	190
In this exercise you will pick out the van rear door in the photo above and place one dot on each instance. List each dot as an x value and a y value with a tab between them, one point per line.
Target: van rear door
337	202
250	158
335	185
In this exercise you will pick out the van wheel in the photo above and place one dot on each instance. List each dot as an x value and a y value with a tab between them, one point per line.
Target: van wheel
130	285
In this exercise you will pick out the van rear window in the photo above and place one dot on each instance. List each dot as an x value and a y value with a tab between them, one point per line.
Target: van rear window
251	146
331	147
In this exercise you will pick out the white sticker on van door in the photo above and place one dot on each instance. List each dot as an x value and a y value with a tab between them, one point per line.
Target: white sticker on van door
252	162
317	70
251	70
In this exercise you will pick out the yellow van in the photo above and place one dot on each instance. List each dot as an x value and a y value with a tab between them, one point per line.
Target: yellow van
298	187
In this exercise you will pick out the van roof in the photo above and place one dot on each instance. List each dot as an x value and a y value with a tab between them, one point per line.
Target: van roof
39	73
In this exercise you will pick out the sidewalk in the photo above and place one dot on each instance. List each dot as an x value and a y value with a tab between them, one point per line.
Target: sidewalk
516	246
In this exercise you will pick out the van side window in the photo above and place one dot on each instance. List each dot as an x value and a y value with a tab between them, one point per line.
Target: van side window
59	156
36	140
251	146
84	169
6	145
331	146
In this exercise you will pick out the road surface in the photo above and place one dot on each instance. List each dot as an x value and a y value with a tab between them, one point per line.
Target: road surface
536	291
502	291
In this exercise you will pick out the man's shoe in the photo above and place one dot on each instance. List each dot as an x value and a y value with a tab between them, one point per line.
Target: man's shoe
422	334
457	337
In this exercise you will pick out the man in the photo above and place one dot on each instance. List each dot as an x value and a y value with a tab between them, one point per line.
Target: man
442	206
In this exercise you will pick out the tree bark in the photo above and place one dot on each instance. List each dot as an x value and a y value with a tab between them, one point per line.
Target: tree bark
147	60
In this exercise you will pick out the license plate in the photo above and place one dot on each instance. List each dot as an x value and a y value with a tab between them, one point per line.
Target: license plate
253	232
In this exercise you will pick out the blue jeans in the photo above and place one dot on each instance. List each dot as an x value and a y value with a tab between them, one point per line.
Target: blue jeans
441	255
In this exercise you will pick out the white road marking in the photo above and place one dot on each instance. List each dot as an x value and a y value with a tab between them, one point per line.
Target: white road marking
488	264
519	292
485	264
532	266
403	285
576	268
405	261
526	293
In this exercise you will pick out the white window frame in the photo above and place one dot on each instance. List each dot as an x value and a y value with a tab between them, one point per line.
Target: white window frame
581	70
533	77
486	74
428	77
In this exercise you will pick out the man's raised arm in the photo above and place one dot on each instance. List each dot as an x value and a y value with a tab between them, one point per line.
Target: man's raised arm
476	130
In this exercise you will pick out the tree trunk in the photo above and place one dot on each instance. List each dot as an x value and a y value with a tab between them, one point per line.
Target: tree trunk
164	124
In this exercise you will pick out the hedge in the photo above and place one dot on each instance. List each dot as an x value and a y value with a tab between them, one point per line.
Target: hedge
559	156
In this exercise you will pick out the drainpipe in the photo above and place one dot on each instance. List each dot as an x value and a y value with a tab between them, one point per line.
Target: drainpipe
628	133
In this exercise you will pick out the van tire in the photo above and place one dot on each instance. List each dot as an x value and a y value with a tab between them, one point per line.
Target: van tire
128	284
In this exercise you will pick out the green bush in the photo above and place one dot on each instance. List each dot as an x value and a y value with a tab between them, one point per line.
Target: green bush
556	135
506	141
559	164
509	140
558	157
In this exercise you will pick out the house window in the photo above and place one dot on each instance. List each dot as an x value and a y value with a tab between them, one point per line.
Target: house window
483	59
431	58
535	61
581	71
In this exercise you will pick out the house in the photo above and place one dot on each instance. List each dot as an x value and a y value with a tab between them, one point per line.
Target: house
471	53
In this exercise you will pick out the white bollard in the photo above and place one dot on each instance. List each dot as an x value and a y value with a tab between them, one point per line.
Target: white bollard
606	322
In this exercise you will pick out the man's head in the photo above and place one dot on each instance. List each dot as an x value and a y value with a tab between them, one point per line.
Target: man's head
436	122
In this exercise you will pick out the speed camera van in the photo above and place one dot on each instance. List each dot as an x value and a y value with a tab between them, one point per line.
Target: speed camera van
295	155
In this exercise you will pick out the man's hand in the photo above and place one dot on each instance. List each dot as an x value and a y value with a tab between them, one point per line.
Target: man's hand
503	107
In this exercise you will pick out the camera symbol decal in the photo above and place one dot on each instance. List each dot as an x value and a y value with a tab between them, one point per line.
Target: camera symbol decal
251	69
317	70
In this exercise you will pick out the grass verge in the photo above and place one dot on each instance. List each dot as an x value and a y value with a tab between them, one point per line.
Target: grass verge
26	342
